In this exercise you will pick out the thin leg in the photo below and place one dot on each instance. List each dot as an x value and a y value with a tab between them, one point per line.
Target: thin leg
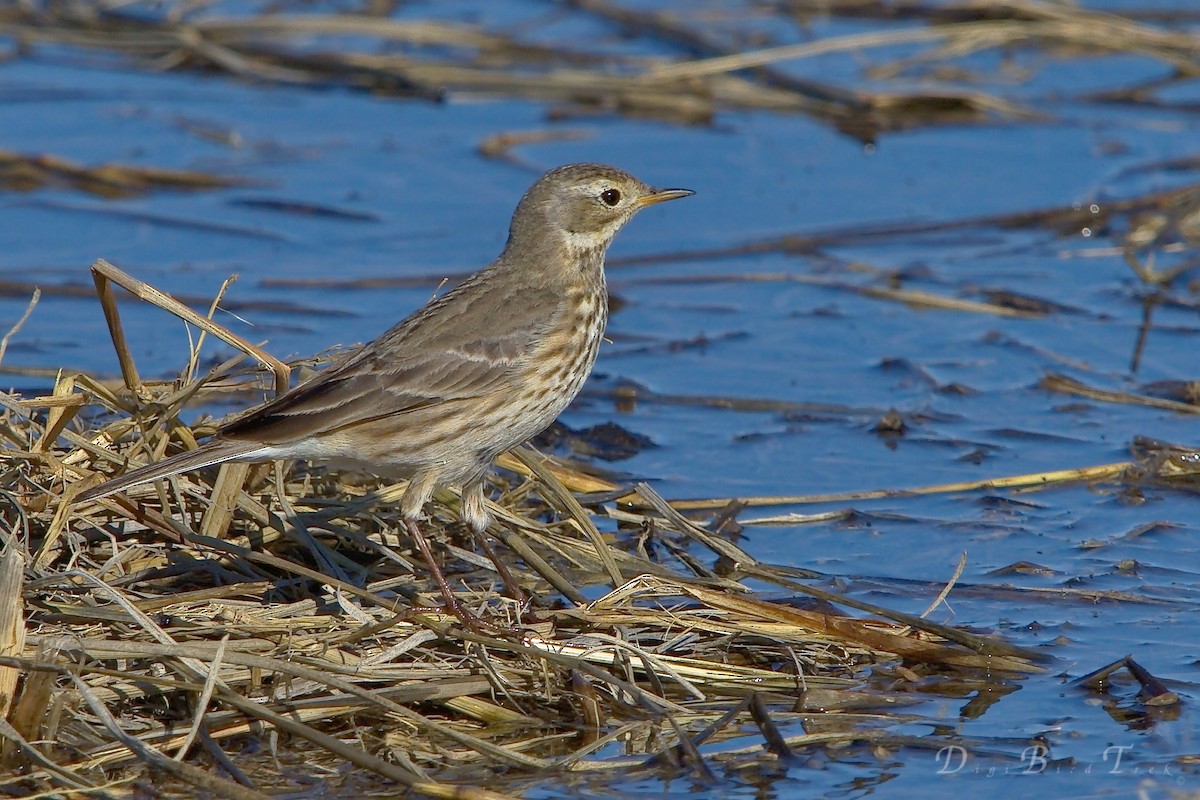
475	514
511	587
452	605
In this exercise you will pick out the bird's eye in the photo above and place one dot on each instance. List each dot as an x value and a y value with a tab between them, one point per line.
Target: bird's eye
610	197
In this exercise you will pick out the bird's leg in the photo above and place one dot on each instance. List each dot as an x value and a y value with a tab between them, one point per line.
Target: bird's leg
416	495
511	587
456	608
475	514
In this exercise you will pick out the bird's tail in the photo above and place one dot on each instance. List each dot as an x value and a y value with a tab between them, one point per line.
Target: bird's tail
214	452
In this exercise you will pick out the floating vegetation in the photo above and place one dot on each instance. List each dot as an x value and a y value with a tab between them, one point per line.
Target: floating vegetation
176	624
21	172
719	67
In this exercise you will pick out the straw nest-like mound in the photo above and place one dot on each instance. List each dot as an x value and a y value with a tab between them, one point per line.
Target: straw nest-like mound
274	622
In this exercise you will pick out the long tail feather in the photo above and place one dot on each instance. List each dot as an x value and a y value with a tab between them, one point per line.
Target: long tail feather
214	452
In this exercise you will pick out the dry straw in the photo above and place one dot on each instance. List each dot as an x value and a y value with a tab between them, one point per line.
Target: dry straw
159	628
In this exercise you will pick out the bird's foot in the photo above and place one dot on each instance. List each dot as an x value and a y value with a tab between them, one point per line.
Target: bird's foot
451	605
469	619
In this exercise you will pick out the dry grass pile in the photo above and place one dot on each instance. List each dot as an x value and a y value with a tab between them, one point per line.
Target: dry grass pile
273	622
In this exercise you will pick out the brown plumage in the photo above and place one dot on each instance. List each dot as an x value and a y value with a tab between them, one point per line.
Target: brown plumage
473	373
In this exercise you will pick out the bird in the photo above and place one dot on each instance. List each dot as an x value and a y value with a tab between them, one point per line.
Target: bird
473	373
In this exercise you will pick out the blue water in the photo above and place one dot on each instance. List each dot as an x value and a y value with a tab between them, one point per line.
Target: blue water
439	209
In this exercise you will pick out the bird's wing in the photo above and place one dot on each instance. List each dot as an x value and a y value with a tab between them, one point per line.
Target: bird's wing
464	344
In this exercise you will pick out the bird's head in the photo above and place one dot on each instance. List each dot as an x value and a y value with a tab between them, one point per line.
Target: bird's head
581	207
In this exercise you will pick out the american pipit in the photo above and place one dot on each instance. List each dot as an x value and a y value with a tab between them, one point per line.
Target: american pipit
473	373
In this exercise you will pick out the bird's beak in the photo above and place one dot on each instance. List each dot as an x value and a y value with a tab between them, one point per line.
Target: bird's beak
662	196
